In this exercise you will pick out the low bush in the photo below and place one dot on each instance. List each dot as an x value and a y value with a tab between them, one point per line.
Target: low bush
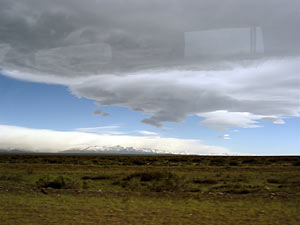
139	162
217	162
233	163
273	181
171	182
99	177
59	182
13	178
239	188
155	181
148	176
204	181
249	161
297	163
29	170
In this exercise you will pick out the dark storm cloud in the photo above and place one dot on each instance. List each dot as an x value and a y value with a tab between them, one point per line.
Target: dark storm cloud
135	34
216	59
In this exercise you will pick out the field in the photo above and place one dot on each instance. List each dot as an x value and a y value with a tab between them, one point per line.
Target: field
130	189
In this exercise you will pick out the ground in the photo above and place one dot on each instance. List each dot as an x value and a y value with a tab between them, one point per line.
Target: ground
115	189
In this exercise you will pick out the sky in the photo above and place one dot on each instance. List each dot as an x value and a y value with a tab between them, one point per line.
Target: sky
187	77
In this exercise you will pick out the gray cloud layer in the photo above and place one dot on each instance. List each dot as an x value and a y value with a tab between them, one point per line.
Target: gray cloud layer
134	53
227	98
103	36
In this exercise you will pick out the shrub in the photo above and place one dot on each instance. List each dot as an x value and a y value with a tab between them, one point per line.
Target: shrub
217	162
99	177
233	163
13	178
273	181
85	185
171	182
139	162
240	189
249	161
59	182
297	163
153	181
147	176
204	181
29	170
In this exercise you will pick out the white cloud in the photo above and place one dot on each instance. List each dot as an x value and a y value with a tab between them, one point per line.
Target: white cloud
111	130
144	132
222	120
225	137
13	137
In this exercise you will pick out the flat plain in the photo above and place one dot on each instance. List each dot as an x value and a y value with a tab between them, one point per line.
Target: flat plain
148	189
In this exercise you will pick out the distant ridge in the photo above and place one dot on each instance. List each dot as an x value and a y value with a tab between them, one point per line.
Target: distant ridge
112	150
104	150
14	151
93	150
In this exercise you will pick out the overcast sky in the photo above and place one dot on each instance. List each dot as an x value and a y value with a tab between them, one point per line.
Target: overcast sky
233	64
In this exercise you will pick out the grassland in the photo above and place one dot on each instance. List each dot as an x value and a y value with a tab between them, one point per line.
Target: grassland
116	189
